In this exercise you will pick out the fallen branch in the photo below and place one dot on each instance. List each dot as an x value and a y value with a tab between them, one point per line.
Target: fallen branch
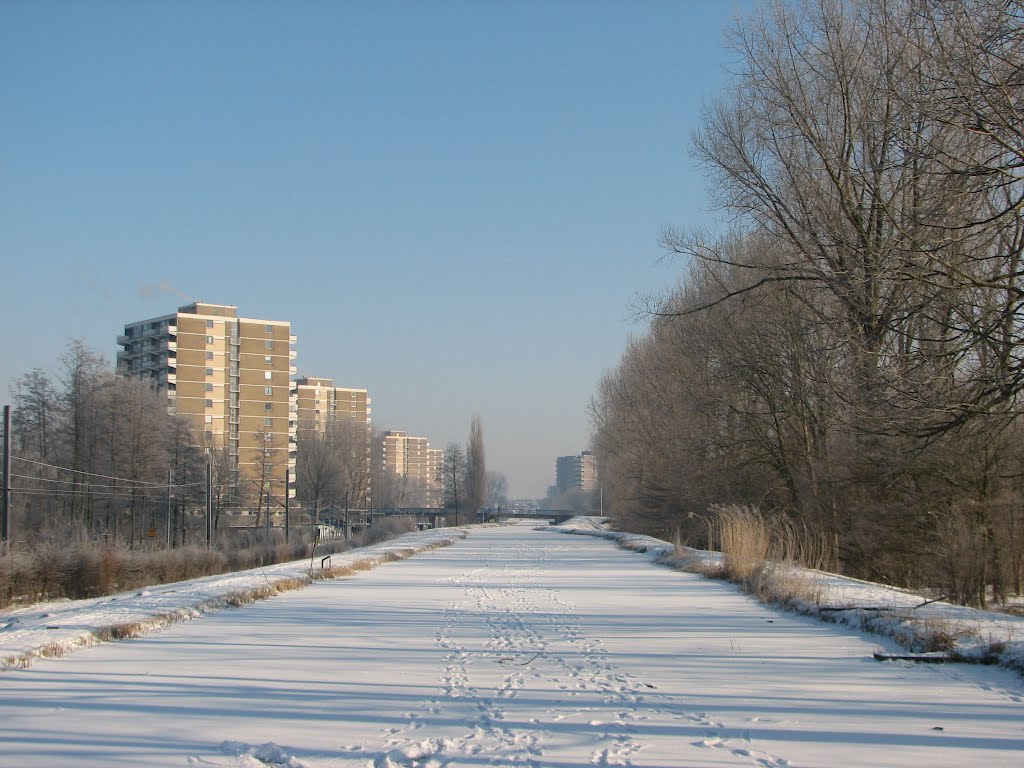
918	657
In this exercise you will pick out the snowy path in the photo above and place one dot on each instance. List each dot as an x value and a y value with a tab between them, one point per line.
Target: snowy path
513	647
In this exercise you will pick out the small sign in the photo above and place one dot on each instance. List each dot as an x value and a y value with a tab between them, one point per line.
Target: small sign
151	533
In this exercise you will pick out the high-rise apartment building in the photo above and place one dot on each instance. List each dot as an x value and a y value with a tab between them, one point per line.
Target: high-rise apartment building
320	402
576	473
231	377
414	459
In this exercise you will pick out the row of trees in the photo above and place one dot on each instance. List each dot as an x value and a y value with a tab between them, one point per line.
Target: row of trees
97	457
851	352
465	480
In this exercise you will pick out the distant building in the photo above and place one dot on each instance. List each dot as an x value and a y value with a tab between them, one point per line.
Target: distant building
230	377
413	458
576	473
319	402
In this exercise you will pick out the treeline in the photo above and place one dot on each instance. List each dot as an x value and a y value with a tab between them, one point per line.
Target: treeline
850	354
99	459
92	453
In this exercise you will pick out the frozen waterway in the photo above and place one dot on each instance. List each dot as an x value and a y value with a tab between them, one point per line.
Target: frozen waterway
512	647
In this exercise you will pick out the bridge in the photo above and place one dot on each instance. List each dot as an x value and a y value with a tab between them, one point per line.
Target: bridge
552	516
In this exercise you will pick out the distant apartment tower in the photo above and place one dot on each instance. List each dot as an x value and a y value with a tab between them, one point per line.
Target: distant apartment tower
413	458
231	377
576	473
320	402
435	471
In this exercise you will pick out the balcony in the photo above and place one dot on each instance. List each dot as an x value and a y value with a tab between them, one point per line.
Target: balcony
124	340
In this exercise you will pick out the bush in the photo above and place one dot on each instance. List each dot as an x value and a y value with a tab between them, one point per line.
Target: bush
385	529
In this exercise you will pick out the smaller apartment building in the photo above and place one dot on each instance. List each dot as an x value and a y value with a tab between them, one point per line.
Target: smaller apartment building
320	402
413	458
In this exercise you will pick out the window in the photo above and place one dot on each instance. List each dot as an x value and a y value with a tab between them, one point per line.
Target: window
209	323
268	406
268	390
209	339
268	422
269	344
209	403
268	328
209	371
209	355
209	387
267	375
209	419
268	360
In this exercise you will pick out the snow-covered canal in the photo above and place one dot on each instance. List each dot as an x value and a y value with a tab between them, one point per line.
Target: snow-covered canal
512	647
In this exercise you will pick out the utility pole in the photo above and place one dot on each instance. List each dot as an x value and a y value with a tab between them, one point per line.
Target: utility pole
5	499
287	507
169	478
209	502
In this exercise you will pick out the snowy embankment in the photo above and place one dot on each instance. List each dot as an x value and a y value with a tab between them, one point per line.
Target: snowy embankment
916	622
55	628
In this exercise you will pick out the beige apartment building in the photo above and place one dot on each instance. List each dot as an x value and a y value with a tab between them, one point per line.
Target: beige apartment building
320	402
413	458
576	473
231	377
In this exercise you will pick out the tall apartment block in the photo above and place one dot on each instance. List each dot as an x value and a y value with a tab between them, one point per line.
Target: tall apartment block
412	457
320	402
576	473
231	377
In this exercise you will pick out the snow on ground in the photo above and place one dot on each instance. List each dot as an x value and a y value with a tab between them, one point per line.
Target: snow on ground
912	619
59	627
513	647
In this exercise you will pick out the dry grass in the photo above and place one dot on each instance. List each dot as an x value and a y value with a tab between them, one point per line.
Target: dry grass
764	554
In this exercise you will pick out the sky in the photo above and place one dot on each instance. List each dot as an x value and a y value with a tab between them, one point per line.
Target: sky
456	204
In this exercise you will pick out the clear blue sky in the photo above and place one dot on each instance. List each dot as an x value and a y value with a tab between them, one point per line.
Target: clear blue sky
454	203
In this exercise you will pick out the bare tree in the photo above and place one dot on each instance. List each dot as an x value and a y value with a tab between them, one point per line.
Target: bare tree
476	468
454	473
318	472
497	489
851	354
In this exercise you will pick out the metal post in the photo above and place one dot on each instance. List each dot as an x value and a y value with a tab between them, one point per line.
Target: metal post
5	498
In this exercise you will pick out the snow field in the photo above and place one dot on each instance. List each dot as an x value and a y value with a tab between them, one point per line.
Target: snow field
913	620
57	628
513	647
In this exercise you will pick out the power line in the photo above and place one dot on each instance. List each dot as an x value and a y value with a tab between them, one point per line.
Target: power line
104	477
102	494
91	486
